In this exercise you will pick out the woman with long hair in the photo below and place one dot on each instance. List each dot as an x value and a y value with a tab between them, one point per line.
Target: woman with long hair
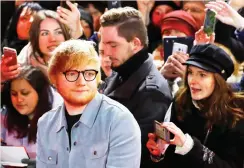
27	98
17	32
207	117
47	31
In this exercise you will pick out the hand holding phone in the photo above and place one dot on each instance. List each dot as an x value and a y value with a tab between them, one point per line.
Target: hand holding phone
161	132
10	53
209	22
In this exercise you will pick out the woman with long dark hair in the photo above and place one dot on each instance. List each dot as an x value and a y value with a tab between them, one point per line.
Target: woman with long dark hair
207	117
26	99
17	32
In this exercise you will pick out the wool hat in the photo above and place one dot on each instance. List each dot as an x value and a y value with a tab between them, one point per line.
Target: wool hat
179	20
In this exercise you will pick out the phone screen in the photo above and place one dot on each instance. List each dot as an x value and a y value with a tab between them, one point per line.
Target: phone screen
209	22
168	43
114	4
10	52
161	132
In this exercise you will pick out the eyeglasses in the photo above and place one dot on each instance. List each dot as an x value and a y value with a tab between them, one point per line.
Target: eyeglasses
73	75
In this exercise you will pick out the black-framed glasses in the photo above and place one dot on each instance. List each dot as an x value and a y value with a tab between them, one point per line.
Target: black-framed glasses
73	75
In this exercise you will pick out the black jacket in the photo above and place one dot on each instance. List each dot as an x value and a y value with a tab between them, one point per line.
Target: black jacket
224	146
140	87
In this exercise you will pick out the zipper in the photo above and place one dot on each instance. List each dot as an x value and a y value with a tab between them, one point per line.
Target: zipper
207	135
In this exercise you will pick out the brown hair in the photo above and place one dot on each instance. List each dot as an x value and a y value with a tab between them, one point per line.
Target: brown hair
222	107
129	23
73	53
35	29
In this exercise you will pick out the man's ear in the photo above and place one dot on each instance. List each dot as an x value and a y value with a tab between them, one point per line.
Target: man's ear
136	44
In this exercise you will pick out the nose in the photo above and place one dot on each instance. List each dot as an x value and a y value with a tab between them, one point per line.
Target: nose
192	80
51	37
81	80
20	98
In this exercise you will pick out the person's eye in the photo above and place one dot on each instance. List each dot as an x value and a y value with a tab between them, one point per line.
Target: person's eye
25	93
44	33
13	94
113	46
189	72
202	75
59	32
91	73
71	73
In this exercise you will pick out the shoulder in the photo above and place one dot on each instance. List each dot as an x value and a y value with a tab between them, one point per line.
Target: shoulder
49	117
25	54
156	83
109	103
111	108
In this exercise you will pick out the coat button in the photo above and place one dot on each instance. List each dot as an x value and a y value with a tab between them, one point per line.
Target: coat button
77	125
49	158
75	143
67	148
95	152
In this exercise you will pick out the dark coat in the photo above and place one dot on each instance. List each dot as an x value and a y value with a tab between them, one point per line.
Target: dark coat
224	146
147	95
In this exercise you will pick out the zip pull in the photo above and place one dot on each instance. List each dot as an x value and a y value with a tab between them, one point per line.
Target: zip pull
206	137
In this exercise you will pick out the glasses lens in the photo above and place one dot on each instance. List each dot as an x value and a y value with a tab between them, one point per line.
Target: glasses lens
90	75
72	75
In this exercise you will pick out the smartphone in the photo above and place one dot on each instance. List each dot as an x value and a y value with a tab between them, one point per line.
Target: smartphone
178	47
168	44
114	4
161	132
10	52
209	22
64	5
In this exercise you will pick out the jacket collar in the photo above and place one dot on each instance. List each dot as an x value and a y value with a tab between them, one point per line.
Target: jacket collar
126	90
88	116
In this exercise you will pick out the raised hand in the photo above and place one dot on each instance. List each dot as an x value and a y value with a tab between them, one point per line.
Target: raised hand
202	38
173	67
71	18
226	14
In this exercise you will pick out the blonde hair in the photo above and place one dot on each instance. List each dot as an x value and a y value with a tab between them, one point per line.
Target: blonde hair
73	53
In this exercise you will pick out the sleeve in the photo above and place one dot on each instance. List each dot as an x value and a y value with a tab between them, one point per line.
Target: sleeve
225	35
230	157
151	105
125	142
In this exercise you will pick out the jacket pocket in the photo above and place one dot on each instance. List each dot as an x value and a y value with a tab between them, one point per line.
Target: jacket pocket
97	150
49	158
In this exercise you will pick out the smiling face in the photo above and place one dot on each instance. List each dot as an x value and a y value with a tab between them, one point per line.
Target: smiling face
23	96
200	82
79	92
50	36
